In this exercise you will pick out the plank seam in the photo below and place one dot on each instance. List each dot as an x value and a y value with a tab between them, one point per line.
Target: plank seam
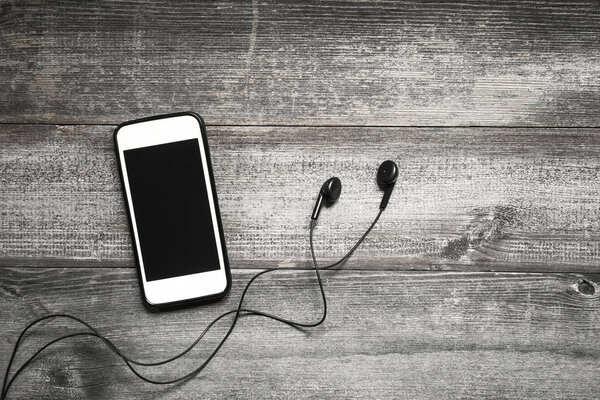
327	126
401	271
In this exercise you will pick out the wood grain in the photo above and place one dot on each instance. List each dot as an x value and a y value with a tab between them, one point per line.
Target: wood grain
509	63
490	110
388	335
467	198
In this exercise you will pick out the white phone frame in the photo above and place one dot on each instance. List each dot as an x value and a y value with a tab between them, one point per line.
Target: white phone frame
161	131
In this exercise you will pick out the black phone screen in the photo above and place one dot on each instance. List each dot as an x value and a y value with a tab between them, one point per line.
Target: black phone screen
172	209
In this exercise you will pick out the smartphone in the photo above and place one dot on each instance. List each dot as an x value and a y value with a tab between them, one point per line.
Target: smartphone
173	210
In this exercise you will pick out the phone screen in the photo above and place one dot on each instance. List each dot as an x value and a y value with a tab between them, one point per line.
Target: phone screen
172	210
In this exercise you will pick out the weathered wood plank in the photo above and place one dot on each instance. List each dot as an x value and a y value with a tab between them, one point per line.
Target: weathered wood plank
518	62
388	335
467	198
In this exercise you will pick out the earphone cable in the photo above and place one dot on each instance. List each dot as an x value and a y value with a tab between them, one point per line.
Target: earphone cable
238	312
112	347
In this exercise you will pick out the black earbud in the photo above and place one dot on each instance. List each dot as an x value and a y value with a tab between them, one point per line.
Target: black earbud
387	174
329	193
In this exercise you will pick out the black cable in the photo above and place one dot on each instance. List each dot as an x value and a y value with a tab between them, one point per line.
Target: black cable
128	361
239	311
248	312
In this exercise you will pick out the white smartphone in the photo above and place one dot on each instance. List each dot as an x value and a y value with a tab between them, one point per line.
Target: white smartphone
173	211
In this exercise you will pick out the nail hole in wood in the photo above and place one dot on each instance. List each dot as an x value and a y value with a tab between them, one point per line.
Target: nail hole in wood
586	287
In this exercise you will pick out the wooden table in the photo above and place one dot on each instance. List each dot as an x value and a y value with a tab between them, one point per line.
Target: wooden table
481	278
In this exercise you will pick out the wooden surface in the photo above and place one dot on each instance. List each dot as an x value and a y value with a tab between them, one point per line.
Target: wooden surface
389	334
468	198
481	278
519	62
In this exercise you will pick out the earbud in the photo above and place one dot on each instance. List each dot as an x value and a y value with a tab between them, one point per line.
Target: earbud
329	193
387	174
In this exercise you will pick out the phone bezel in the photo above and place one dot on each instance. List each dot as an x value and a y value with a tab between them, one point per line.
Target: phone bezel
160	130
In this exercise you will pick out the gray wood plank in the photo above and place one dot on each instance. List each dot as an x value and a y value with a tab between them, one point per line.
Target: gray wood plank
388	335
534	63
467	198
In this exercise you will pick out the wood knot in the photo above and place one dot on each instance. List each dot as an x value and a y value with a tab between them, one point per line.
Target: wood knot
8	290
586	287
486	226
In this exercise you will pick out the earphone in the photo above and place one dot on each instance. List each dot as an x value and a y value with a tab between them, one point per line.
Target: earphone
387	175
329	193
